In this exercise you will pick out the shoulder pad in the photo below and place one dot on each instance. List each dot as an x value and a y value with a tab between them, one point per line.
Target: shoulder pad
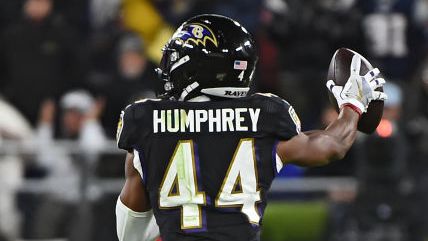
273	97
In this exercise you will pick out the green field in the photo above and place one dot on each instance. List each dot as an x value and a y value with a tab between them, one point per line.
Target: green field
295	221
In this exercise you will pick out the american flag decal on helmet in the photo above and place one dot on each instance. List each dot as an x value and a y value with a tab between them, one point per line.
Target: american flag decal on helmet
240	64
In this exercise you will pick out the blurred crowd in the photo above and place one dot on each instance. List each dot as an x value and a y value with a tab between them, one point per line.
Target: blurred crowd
67	68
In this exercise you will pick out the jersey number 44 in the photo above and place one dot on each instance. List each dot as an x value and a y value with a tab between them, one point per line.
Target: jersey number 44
179	186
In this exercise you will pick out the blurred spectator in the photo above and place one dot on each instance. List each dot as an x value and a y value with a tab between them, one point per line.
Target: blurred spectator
80	119
13	126
380	211
102	49
393	105
245	12
79	122
133	79
77	14
421	16
417	102
154	30
177	11
392	37
416	123
80	115
38	58
306	33
103	12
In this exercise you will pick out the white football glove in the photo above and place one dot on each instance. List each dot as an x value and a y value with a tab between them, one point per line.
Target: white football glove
359	90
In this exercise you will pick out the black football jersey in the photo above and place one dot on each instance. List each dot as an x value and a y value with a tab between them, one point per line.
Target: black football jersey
208	166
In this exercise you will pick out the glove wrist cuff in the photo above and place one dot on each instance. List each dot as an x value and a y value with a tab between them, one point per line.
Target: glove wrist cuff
358	104
353	107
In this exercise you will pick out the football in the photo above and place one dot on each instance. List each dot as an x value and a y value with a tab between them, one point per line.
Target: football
339	72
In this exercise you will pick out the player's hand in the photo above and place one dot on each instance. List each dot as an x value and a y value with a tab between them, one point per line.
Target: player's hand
47	112
97	109
359	90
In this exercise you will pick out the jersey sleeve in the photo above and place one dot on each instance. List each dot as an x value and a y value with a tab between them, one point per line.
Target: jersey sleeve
285	122
126	129
288	122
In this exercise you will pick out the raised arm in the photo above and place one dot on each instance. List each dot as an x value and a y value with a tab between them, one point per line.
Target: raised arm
320	147
134	217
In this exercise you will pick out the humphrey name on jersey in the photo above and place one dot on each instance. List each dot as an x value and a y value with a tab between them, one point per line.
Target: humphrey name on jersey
213	120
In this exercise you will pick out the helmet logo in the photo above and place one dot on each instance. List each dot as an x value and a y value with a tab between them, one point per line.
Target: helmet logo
196	33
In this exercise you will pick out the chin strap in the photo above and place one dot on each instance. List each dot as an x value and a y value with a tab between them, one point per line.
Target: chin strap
187	90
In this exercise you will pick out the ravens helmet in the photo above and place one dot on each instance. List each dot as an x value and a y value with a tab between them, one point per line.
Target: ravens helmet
208	55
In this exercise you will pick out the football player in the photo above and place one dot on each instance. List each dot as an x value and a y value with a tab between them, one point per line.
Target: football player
202	158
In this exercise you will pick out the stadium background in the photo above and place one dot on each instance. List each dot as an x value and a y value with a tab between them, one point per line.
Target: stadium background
67	67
